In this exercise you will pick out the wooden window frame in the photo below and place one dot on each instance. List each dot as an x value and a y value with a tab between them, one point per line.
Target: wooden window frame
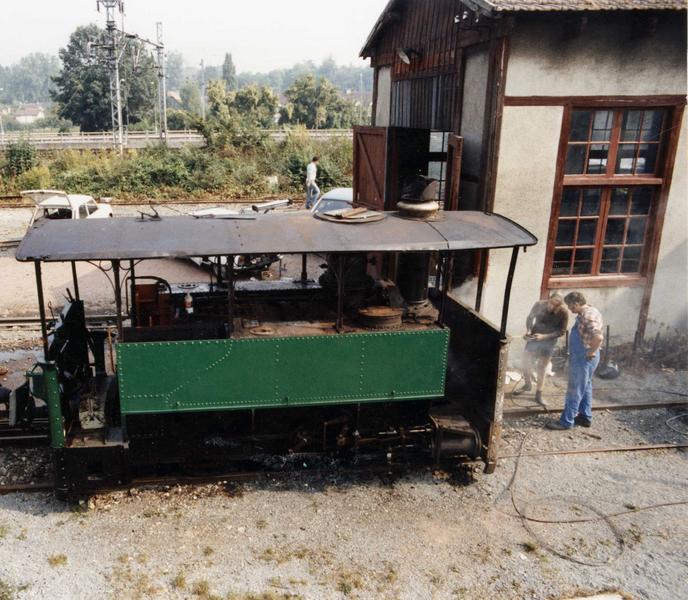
660	180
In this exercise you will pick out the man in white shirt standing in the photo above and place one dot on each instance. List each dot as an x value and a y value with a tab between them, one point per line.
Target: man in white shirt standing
312	189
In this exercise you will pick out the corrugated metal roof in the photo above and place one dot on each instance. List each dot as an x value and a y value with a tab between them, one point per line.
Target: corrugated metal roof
576	5
179	237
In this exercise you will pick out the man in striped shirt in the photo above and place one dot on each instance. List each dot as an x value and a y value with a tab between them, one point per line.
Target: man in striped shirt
584	355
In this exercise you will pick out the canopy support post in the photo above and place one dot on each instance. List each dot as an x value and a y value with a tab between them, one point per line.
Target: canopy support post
340	293
230	295
507	290
304	268
41	307
132	282
484	257
447	268
118	299
75	281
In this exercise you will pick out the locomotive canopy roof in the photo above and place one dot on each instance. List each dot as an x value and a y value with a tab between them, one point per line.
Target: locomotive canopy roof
298	232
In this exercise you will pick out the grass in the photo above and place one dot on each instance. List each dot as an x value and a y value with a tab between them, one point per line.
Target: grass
207	551
6	591
179	581
4	530
57	560
529	546
261	524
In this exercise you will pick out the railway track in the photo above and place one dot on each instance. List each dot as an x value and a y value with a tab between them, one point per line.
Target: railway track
93	320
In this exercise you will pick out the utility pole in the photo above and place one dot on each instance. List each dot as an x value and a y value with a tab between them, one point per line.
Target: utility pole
113	57
162	86
202	90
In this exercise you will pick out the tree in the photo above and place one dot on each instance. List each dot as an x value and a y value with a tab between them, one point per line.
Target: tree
82	89
229	73
316	103
174	69
29	80
191	97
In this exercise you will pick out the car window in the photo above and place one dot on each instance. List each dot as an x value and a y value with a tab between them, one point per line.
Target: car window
326	204
92	207
83	211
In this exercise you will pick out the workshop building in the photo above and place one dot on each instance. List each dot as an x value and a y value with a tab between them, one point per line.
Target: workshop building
566	116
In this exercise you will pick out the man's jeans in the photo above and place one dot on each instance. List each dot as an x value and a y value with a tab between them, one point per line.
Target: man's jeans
312	193
579	392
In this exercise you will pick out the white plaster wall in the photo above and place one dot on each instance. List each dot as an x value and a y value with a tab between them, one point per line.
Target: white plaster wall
604	60
384	97
525	183
669	304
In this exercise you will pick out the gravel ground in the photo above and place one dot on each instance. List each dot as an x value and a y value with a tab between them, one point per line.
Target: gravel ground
422	536
321	536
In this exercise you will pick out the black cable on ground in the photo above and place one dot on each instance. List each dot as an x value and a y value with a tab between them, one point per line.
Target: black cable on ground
681	416
606	517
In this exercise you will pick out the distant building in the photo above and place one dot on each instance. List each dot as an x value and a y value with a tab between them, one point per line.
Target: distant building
566	116
27	114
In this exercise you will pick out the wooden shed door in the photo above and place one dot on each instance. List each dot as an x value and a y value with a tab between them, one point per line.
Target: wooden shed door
370	158
451	189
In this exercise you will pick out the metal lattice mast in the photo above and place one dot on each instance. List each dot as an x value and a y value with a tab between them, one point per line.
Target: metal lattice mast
113	57
162	86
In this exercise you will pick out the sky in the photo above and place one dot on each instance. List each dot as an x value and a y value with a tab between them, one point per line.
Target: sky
261	34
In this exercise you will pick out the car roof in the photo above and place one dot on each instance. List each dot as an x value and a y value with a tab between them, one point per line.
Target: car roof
56	198
342	193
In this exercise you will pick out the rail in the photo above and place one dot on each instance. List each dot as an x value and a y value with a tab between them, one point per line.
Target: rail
137	139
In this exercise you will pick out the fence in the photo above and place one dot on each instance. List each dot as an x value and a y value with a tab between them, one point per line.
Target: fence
134	139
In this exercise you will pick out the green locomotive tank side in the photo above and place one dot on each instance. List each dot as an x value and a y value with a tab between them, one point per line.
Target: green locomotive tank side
236	374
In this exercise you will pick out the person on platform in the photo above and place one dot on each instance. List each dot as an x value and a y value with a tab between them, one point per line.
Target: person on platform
545	324
584	355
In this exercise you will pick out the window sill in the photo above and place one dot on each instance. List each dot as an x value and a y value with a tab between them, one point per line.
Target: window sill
596	281
614	180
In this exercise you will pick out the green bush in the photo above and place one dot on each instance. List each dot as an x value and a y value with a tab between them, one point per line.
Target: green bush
162	172
19	158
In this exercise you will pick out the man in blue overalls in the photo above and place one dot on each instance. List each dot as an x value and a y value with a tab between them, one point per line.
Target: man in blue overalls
584	356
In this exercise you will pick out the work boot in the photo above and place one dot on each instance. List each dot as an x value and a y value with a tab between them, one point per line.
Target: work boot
556	425
539	400
582	421
526	387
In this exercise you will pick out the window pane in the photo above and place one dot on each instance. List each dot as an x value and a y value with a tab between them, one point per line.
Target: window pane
582	264
636	230
631	260
602	125
580	125
591	201
624	160
597	159
630	128
575	157
586	232
562	262
619	201
565	232
647	155
569	202
615	231
652	125
610	260
438	141
640	202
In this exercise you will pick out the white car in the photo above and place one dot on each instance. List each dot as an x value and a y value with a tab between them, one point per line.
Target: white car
56	204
